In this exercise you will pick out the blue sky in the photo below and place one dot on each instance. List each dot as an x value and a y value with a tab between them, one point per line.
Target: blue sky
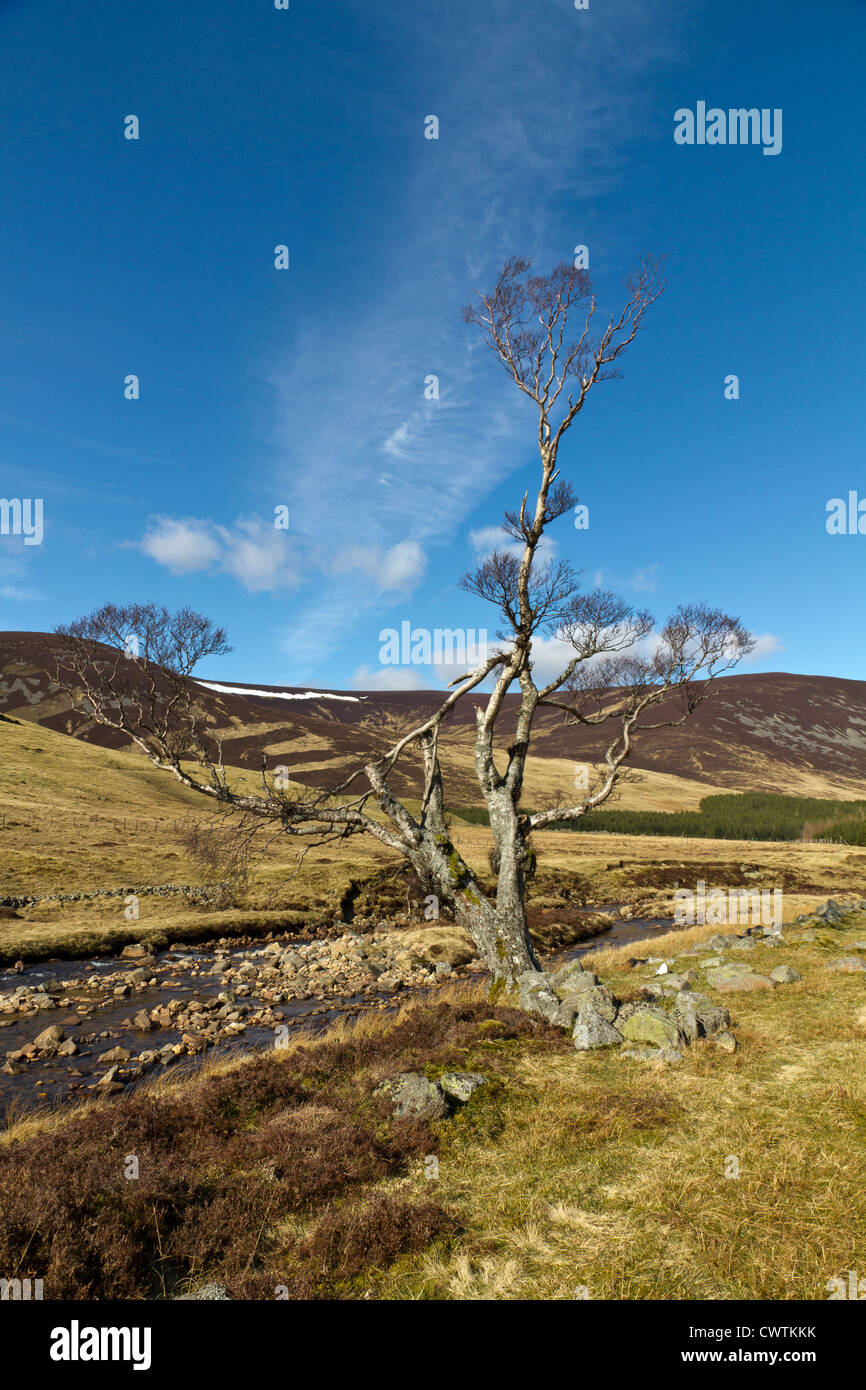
305	387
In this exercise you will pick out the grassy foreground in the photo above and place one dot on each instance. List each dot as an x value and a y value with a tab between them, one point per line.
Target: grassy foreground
567	1172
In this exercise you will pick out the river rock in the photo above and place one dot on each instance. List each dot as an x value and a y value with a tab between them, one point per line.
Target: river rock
49	1039
114	1054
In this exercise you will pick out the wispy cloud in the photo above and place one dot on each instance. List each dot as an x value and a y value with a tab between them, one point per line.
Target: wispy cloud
644	580
498	181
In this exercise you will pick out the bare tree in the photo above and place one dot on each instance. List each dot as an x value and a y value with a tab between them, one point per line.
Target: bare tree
616	672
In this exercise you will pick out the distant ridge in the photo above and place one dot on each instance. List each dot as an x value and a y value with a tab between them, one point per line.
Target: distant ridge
769	732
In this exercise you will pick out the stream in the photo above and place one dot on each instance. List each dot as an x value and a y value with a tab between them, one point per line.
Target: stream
96	1001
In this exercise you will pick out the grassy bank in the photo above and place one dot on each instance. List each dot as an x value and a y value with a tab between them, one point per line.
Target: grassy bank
567	1171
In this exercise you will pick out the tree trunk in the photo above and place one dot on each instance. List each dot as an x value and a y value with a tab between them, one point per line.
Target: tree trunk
498	929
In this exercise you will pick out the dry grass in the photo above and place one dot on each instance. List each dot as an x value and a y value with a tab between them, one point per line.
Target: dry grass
611	1174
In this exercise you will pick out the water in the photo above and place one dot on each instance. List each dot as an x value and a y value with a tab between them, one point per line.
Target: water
88	1008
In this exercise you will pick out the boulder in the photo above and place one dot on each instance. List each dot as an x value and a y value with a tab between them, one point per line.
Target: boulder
593	1030
461	1084
537	997
411	1094
653	1054
115	1054
737	977
599	1000
49	1039
653	1026
784	975
745	983
697	1016
570	977
849	965
831	912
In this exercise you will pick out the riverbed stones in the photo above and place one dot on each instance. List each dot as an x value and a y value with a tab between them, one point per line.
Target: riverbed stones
49	1039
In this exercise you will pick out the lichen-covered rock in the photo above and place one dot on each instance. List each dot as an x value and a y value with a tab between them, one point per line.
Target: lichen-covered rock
738	977
571	978
206	1293
650	1025
697	1016
653	1054
849	965
831	912
599	1000
411	1094
460	1085
784	975
537	997
593	1030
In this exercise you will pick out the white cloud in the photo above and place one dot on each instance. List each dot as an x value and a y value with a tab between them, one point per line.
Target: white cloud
765	645
395	570
486	539
389	678
640	580
258	555
253	551
395	444
183	547
16	594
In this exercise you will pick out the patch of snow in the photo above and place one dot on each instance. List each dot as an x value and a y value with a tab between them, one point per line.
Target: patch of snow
278	694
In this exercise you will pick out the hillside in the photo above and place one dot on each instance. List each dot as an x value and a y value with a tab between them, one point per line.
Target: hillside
803	735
